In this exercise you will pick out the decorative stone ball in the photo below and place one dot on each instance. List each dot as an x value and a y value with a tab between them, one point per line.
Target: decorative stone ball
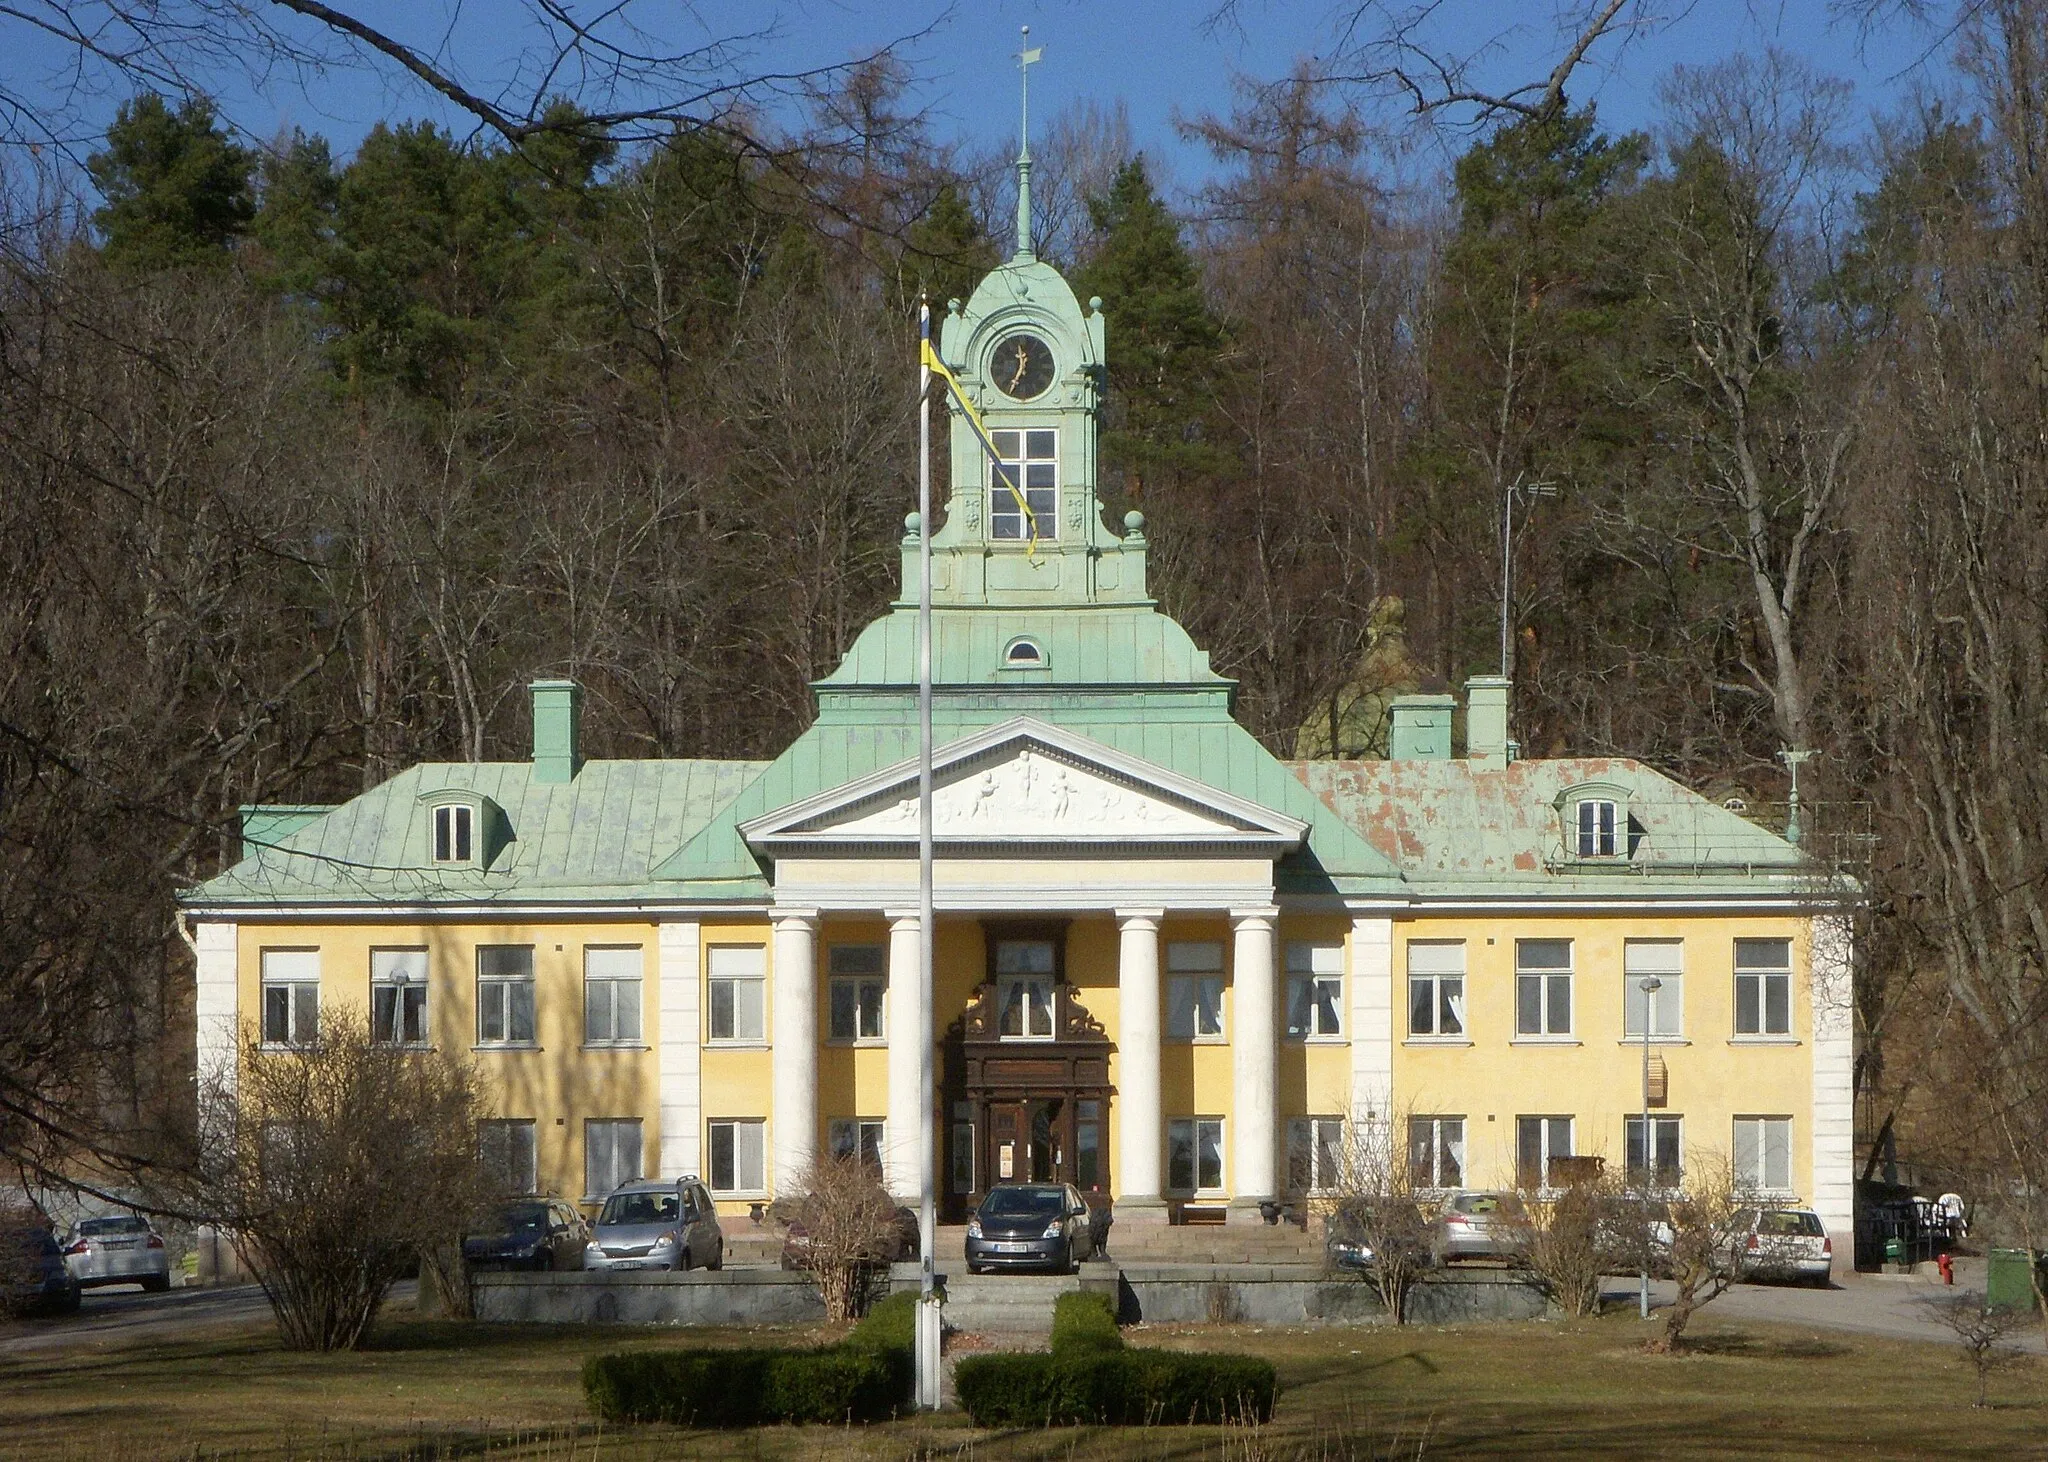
912	525
1135	521
1095	304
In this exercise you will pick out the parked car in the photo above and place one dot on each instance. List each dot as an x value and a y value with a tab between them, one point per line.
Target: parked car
1344	1236
656	1225
533	1233
1479	1226
34	1280
900	1245
1784	1243
121	1249
1030	1226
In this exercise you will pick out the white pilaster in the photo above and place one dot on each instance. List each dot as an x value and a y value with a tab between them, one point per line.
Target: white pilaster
900	1159
1372	1019
216	1002
678	980
793	1033
1254	1062
1832	987
1140	1123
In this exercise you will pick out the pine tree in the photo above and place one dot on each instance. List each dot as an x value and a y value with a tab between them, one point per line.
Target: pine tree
177	188
947	251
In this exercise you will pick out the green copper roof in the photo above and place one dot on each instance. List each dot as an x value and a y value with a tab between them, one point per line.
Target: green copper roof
1082	647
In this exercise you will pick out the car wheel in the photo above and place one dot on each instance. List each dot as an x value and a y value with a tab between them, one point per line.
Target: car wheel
717	1258
157	1283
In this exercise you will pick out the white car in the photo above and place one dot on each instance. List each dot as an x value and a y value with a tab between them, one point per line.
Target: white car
1784	1243
122	1249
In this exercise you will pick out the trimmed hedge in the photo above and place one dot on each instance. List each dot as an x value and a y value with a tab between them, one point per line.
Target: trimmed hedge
1114	1388
890	1324
724	1388
1085	1321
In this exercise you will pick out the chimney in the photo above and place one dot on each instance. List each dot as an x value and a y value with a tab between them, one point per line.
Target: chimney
1486	721
1421	729
557	731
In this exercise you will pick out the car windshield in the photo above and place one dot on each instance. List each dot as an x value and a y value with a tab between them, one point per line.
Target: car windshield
127	1224
522	1218
1787	1221
1502	1203
625	1208
1023	1203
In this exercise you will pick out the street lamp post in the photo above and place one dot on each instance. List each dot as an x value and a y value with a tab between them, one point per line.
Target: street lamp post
1649	985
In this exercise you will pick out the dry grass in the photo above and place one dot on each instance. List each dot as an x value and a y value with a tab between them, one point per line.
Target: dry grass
443	1390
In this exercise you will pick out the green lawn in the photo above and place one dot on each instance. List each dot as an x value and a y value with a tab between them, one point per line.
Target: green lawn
438	1389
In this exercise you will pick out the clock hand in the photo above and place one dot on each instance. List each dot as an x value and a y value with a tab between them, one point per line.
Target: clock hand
1017	375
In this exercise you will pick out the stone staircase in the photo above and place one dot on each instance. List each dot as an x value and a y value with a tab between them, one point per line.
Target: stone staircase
1004	1304
1146	1244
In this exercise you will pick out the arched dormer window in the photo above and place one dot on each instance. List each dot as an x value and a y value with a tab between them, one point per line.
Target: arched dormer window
454	833
1024	653
464	828
1596	823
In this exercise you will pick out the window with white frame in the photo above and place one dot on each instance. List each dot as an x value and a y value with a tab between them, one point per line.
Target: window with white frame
1315	989
737	1146
855	1136
857	993
1027	462
507	1152
1194	990
1763	1154
1024	653
611	1154
1024	980
504	995
612	975
1543	987
1664	1147
1540	1141
1436	1152
1598	836
1315	1154
1194	1155
398	997
454	833
736	1007
291	997
1662	960
962	1155
1763	987
1436	988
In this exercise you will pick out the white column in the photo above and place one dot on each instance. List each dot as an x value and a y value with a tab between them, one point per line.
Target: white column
1254	1063
217	1003
899	1161
1372	1019
1831	977
793	1033
1140	1123
678	1043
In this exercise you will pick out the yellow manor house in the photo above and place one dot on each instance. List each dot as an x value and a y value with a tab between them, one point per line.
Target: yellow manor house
1170	967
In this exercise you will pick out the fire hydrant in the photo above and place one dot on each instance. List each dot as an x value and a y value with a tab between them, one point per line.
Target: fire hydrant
1947	1268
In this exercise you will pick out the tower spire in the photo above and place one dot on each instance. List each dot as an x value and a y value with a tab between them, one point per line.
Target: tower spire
1026	54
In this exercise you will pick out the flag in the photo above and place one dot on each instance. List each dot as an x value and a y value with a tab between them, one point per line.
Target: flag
930	358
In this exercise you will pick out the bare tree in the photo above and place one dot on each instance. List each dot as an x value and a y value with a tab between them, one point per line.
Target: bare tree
1707	1223
1981	1333
843	1228
1374	1214
1575	1235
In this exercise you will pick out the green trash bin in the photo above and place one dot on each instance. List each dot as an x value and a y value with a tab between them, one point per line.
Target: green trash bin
2006	1285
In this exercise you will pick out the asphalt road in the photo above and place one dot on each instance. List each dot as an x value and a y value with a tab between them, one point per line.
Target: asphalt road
123	1314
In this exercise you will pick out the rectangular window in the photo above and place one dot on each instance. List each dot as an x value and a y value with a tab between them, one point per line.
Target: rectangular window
1088	1171
1664	1170
611	1154
1436	988
398	997
1315	989
1315	1154
1194	1155
1763	987
291	997
1194	990
1539	1142
857	995
1029	462
738	996
1763	1154
1596	829
454	833
504	994
1543	987
736	1156
846	1136
611	994
1436	1152
963	1147
1024	979
507	1151
1662	960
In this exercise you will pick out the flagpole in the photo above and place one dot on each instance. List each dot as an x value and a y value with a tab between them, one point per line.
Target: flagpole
928	1313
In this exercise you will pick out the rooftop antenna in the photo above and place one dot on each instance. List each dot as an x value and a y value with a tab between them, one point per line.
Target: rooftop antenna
1026	54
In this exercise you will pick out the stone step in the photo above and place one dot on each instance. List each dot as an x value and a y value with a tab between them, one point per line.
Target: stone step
1010	1304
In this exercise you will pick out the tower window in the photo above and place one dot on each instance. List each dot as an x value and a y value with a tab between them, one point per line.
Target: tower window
1024	654
1028	464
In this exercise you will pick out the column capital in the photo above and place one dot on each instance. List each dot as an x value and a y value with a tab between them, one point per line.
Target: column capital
1269	914
901	916
792	916
1126	918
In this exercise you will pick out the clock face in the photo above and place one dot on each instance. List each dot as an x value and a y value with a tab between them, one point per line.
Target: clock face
1021	366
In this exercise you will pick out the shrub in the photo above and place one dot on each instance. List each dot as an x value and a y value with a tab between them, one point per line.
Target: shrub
890	1324
1085	1321
1114	1387
733	1388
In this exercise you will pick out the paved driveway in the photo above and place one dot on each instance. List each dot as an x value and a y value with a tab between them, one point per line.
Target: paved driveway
119	1316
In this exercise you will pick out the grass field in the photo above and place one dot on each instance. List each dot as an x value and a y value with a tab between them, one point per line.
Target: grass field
433	1389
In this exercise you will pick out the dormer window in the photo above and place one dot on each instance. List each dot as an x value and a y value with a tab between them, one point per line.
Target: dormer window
1025	474
1597	837
1024	653
454	833
1595	823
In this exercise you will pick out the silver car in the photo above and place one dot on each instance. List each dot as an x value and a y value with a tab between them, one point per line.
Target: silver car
1479	1226
656	1225
119	1250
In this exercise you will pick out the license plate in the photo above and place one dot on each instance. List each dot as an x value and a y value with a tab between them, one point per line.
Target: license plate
1013	1248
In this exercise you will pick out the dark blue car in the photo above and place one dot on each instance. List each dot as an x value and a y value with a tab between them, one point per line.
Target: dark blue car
532	1233
33	1279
